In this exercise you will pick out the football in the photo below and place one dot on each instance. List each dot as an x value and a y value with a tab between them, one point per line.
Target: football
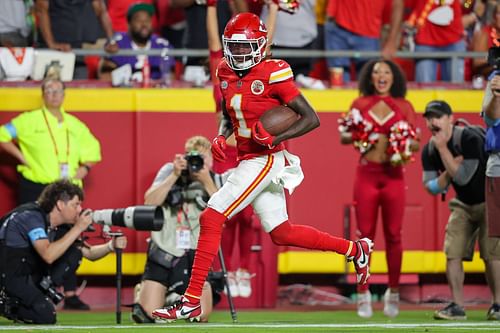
278	119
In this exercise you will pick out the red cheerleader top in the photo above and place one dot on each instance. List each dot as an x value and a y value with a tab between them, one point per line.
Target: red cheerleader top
401	109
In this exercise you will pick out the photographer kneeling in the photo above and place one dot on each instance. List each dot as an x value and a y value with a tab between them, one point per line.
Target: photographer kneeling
26	251
32	262
182	187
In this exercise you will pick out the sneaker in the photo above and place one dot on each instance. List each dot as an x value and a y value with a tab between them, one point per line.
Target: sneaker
310	83
244	284
232	283
361	259
451	312
365	304
75	303
391	303
182	309
494	312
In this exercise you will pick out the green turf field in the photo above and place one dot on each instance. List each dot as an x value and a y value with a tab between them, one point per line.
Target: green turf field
266	321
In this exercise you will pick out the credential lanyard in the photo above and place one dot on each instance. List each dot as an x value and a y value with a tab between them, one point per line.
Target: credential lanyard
54	140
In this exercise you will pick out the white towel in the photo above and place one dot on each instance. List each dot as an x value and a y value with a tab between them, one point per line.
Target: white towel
291	176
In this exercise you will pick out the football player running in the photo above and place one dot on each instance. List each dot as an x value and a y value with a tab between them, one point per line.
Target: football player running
251	85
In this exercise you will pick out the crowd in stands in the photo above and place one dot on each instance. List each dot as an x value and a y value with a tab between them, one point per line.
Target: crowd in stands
387	26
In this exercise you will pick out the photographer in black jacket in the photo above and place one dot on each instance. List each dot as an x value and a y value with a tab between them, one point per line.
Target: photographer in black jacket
27	251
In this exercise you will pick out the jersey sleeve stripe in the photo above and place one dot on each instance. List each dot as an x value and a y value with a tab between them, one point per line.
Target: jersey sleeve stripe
281	75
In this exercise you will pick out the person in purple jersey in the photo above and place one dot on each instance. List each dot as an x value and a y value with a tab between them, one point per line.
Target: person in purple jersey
139	37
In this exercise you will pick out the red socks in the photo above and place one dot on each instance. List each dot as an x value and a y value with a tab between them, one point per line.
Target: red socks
310	238
211	223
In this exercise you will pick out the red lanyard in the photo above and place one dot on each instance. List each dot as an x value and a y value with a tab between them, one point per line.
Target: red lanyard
54	140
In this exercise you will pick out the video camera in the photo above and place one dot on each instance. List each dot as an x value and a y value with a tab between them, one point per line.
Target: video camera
146	218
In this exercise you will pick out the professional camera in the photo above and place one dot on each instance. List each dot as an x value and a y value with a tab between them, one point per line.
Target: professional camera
194	161
50	290
147	218
494	57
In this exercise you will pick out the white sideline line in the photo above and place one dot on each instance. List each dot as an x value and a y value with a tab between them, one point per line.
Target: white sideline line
477	326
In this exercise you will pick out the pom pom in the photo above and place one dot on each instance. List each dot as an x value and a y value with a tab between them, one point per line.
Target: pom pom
400	138
361	130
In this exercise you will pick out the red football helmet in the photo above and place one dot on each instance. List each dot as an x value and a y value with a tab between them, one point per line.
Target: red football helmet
244	40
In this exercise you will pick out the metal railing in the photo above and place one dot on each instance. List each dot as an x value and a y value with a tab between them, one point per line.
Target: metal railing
454	56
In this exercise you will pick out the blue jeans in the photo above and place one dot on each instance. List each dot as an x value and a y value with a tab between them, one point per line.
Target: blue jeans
426	69
338	38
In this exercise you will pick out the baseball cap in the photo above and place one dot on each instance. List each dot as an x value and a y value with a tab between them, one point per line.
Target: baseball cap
437	108
139	6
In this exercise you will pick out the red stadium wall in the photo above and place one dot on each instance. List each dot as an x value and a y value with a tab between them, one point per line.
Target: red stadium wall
139	130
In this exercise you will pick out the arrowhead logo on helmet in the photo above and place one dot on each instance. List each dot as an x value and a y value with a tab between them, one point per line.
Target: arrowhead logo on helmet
244	41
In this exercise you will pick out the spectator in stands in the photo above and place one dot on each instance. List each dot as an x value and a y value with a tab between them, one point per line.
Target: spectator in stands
455	155
357	26
52	145
472	17
62	27
295	30
14	28
171	22
195	36
438	27
183	191
139	37
117	10
379	182
484	39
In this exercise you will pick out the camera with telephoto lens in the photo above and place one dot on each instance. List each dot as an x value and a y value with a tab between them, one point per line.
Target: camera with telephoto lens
146	218
49	290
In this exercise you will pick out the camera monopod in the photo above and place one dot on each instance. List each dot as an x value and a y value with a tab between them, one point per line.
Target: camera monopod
118	254
229	297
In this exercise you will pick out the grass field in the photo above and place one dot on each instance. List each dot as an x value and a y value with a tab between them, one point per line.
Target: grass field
266	321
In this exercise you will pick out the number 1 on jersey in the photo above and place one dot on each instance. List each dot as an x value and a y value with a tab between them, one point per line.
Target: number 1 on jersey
243	130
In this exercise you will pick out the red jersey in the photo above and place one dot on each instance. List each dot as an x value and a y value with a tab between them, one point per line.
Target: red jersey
265	86
438	25
362	17
400	107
